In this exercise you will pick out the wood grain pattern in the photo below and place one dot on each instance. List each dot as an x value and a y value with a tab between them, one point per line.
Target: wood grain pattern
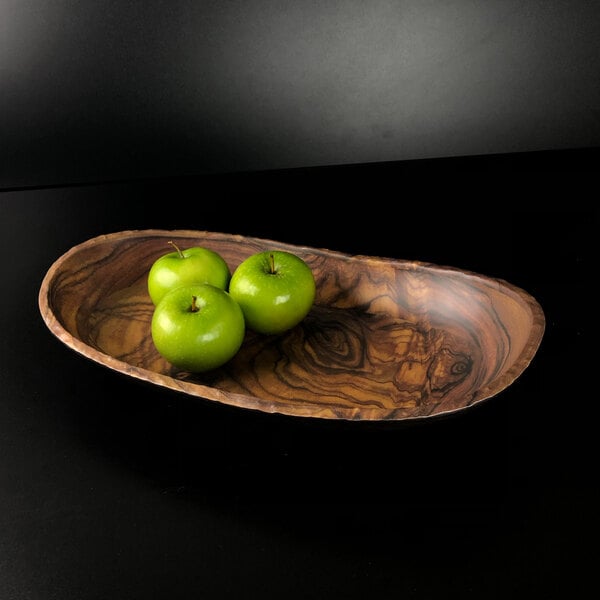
386	339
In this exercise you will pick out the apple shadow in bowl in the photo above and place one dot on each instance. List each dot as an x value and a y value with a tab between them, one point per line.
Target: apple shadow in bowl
386	339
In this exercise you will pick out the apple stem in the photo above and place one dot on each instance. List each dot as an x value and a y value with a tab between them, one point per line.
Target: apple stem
195	307
176	248
272	263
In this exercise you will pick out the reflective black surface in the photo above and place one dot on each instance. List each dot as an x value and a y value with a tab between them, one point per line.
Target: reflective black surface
110	488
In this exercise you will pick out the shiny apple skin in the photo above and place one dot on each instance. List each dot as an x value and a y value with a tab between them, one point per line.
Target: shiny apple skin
186	267
200	340
275	289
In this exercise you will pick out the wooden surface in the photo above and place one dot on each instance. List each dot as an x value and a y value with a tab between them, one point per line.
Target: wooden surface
387	339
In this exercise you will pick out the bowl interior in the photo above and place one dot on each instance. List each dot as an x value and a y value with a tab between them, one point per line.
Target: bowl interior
386	339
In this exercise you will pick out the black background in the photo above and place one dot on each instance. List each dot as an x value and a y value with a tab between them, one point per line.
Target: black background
97	90
113	488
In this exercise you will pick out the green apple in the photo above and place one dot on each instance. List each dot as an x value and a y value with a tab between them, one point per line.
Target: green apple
198	327
276	290
186	267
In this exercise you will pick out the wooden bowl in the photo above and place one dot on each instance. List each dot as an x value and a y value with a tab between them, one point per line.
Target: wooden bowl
386	339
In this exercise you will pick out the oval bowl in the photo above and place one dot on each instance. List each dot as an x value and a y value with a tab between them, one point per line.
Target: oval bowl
386	339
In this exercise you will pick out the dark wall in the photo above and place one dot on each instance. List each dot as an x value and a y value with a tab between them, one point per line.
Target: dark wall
106	89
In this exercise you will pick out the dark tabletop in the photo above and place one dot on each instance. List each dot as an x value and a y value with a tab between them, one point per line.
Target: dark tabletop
112	488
